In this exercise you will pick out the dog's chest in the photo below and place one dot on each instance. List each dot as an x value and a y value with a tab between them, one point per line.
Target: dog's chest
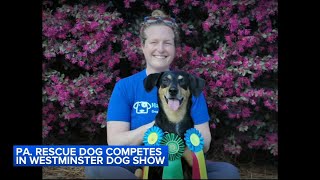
178	128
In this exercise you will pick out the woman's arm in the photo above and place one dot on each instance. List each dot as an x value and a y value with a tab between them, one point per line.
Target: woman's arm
206	134
118	133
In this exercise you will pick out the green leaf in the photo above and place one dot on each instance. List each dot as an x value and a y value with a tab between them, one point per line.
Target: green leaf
44	99
230	68
243	98
52	99
261	125
91	91
243	128
235	3
217	120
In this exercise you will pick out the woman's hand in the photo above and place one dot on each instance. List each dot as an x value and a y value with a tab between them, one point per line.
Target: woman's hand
119	133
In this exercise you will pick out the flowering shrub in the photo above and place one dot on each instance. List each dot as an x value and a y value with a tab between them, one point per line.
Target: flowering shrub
88	47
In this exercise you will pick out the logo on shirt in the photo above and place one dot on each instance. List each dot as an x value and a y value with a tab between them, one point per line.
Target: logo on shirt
142	107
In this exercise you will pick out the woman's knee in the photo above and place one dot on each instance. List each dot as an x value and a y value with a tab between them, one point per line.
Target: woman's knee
222	170
108	172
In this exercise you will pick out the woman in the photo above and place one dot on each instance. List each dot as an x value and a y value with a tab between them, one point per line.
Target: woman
132	110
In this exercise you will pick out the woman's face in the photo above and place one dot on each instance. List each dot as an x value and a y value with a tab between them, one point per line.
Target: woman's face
159	48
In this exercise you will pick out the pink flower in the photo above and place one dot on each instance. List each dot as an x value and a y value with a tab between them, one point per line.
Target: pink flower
176	11
259	17
233	23
216	57
229	40
242	7
246	32
218	83
54	78
231	115
80	63
253	102
256	143
213	126
224	107
126	3
245	21
172	2
195	3
272	138
206	26
62	124
245	112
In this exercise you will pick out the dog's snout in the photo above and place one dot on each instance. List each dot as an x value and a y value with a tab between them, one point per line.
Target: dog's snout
173	91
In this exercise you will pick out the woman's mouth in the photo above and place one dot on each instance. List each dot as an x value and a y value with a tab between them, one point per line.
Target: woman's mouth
160	56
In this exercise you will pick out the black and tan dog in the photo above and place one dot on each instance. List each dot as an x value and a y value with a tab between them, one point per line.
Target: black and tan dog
175	90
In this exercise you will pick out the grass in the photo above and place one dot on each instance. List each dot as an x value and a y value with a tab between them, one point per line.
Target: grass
252	171
247	171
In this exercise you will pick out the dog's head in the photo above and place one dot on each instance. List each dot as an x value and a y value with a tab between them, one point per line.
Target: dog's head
174	87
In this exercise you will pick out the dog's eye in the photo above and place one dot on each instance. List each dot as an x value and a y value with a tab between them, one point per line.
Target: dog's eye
166	80
182	81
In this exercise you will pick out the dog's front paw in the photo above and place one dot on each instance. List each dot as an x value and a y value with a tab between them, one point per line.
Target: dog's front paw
138	173
187	155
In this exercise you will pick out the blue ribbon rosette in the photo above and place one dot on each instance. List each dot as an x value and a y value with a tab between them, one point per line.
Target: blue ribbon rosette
152	137
195	142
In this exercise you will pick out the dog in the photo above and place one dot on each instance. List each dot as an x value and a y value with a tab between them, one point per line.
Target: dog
175	90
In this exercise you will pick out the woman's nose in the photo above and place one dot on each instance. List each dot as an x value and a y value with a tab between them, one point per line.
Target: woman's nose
160	47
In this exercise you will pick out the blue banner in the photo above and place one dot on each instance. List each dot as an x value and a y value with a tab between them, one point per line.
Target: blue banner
89	155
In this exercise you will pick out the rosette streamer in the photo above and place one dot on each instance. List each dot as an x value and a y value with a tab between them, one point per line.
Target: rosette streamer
152	137
176	148
195	142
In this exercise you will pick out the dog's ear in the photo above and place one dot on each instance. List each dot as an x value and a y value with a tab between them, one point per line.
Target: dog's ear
196	85
151	80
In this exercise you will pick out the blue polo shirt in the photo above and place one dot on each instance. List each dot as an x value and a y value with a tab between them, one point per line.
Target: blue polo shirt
130	102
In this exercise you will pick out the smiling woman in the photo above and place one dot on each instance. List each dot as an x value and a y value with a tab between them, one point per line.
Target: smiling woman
159	48
131	110
159	37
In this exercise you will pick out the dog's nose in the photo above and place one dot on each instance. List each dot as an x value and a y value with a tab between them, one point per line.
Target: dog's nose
173	91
